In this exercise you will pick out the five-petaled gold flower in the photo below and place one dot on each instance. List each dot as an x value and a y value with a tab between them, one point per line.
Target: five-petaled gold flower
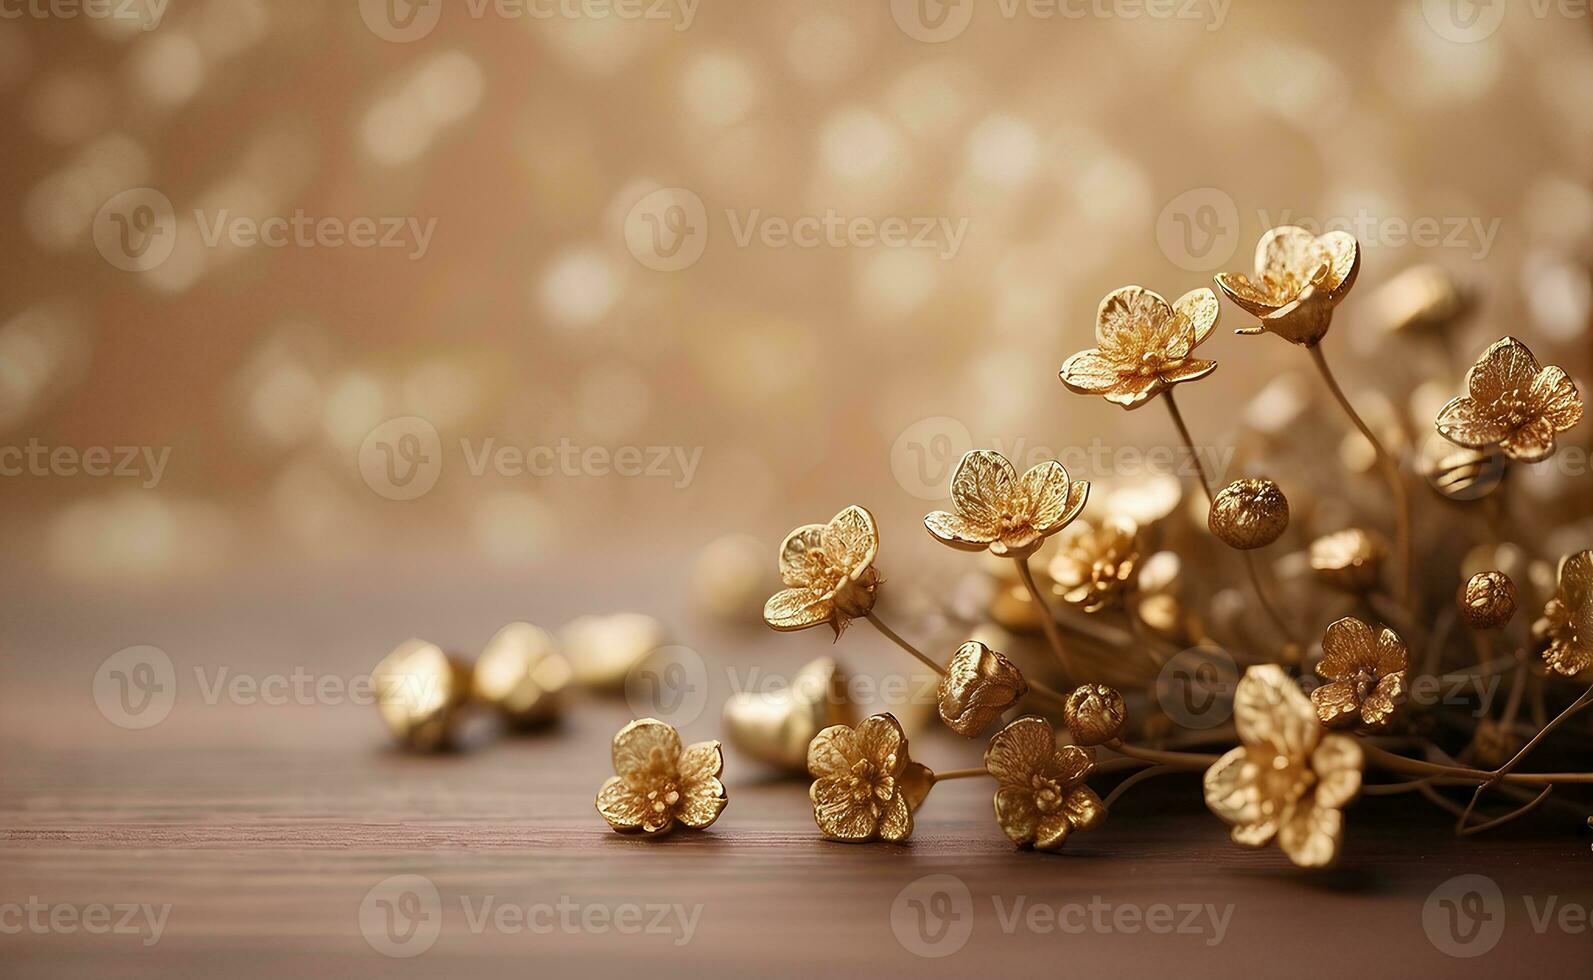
979	684
659	783
865	787
1366	675
1512	402
1094	566
1146	345
1290	778
1567	623
997	509
1043	797
830	571
1300	279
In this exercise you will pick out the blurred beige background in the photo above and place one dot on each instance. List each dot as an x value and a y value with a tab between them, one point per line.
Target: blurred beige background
1040	154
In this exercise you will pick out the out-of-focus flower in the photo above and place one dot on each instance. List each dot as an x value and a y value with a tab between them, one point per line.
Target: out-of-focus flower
603	650
1290	779
1351	559
1512	402
521	673
1146	345
979	684
1249	514
1423	299
421	692
1567	623
1043	797
996	509
1095	714
1366	675
865	786
1493	745
830	571
658	783
1094	566
1300	278
1487	600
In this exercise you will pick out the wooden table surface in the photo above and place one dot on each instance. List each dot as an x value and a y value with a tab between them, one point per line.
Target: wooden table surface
267	829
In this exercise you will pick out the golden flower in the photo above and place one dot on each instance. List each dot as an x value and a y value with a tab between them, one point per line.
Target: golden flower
1249	514
1094	714
1567	623
1366	671
422	695
521	673
979	684
830	571
1423	299
1512	402
865	787
1146	345
1043	797
603	650
1300	279
996	509
1095	565
1351	559
659	784
1487	600
1290	778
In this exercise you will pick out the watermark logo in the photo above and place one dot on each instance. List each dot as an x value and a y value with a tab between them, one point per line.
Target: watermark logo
401	916
136	687
402	458
933	21
933	916
146	464
406	21
926	454
667	230
670	684
147	14
95	919
1465	916
401	21
136	230
1464	21
1195	687
1198	230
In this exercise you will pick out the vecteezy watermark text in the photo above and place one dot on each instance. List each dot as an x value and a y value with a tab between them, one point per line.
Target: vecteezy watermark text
939	21
147	14
143	463
403	21
96	919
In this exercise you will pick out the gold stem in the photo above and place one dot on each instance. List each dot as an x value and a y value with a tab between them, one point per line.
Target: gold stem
941	777
1415	767
1391	472
1048	621
1249	559
1035	687
1180	760
1503	771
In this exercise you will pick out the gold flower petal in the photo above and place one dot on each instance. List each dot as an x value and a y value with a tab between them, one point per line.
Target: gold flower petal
1288	255
1071	764
882	741
1465	422
1021	749
1084	809
959	531
1348	645
1248	296
914	783
622	807
1192	370
1576	591
1336	703
1310	836
1337	763
1052	831
1344	258
1017	814
1230	788
1532	443
1506	367
1126	316
802	556
701	802
979	684
1135	390
645	749
701	761
851	539
1379	707
1090	372
1270	710
1392	656
1256	834
1202	309
1557	399
1050	496
838	815
833	751
797	609
896	822
983	485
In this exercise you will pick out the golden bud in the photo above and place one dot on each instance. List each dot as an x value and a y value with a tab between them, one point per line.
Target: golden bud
1095	714
603	650
1487	600
776	726
522	674
979	685
421	692
1351	560
1249	514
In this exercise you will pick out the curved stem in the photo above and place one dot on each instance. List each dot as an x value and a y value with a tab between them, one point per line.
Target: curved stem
1205	486
1047	621
1035	687
1464	776
941	777
1503	771
1134	780
1391	472
1180	760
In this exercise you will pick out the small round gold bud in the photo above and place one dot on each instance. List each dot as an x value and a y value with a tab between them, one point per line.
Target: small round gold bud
1351	560
1095	713
1487	601
1249	514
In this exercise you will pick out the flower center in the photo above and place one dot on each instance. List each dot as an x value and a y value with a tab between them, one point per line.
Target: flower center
1047	794
1515	408
1365	682
663	797
1283	782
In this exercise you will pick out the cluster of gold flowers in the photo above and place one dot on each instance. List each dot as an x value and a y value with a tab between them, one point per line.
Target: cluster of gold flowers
1304	747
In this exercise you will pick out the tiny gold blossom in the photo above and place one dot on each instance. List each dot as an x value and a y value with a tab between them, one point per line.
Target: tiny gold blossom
659	784
1366	671
1095	714
1300	278
1043	797
830	571
979	684
1512	402
1567	623
1146	346
1290	779
1094	566
865	787
996	509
